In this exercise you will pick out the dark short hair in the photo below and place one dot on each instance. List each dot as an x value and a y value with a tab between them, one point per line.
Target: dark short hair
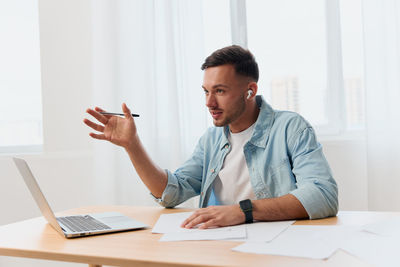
242	60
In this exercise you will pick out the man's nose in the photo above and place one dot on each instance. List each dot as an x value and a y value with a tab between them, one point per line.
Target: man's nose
211	101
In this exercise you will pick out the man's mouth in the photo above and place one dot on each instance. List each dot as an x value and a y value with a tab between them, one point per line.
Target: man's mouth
216	114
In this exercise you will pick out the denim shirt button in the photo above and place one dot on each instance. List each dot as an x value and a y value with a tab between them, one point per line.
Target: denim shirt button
226	146
212	170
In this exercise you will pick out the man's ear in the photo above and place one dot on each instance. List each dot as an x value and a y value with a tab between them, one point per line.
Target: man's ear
252	89
249	93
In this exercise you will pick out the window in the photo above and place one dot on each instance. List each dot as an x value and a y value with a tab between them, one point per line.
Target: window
288	39
353	63
20	86
310	58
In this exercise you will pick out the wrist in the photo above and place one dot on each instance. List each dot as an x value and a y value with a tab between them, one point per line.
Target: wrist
239	215
247	209
132	144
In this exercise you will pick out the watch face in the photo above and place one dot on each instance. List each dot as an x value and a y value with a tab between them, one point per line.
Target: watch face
246	204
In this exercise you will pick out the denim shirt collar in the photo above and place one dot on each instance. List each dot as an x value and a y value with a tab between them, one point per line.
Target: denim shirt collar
262	128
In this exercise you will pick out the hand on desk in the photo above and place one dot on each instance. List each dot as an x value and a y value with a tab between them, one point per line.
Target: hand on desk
117	130
215	216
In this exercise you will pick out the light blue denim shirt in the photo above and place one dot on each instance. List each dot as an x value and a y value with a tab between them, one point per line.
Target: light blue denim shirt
283	157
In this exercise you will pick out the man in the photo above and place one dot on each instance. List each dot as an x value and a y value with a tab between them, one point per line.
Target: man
256	164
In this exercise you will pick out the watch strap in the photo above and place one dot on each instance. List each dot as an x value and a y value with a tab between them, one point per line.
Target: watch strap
247	209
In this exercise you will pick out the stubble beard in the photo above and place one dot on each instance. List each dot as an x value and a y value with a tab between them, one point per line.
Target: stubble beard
240	105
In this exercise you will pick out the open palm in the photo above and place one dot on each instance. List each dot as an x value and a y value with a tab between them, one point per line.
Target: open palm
117	130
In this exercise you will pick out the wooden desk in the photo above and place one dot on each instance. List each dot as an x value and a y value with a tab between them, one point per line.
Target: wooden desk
34	238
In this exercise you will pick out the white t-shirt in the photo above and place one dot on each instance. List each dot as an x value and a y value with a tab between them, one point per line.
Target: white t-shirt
232	183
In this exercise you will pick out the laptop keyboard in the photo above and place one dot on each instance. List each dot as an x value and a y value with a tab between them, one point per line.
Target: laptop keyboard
82	223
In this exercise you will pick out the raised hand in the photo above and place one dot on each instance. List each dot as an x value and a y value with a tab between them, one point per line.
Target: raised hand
120	131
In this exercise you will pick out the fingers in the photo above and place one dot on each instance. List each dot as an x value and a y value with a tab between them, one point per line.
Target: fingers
188	220
101	118
98	136
126	111
93	125
209	224
196	218
99	109
204	221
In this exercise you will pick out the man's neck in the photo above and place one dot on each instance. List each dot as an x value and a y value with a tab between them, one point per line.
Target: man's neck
248	118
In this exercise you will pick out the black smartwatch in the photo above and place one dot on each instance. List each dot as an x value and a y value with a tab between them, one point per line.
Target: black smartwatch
247	209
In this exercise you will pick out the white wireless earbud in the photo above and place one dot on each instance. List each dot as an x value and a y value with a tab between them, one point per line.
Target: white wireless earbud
249	93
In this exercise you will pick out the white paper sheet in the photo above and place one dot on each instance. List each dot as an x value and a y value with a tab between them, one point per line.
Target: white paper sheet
389	227
206	234
258	231
263	231
170	226
374	249
171	223
316	242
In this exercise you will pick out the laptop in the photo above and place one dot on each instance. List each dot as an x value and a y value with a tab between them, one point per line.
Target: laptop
76	225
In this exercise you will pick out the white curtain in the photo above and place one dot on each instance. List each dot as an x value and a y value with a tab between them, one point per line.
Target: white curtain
381	21
148	54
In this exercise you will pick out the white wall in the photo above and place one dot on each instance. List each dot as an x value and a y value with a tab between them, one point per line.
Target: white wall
348	161
65	167
65	43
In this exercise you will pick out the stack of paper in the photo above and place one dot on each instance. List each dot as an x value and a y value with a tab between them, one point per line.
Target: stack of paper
316	242
375	243
169	225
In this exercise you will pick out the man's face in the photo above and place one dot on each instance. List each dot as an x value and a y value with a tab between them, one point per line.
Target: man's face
225	94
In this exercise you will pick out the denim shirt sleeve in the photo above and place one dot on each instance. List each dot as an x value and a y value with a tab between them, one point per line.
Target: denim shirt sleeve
316	189
186	181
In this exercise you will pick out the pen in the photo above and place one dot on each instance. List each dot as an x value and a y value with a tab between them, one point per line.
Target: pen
118	114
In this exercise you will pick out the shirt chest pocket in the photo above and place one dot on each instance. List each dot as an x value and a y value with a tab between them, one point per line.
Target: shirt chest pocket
281	179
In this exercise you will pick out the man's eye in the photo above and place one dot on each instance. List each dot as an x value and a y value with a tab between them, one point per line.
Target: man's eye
220	91
205	92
